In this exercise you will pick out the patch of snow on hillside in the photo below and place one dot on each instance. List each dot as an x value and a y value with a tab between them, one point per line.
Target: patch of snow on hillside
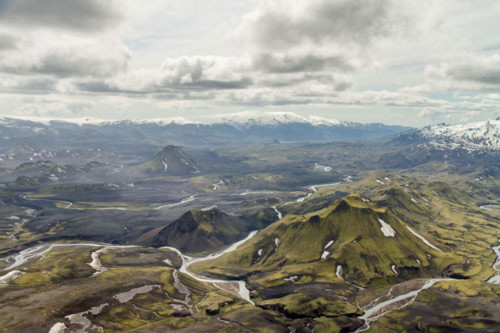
324	255
339	272
292	278
422	238
386	229
328	244
277	242
323	168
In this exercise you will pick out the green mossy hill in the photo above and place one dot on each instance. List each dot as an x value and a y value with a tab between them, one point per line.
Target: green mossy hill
198	231
347	233
172	160
36	166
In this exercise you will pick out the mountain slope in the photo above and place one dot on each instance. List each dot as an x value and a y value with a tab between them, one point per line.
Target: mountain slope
198	231
171	160
472	137
362	243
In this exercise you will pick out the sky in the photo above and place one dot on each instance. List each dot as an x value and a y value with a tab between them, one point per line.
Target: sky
397	62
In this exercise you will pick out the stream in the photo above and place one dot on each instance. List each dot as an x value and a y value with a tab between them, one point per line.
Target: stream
496	266
37	252
69	205
375	311
241	290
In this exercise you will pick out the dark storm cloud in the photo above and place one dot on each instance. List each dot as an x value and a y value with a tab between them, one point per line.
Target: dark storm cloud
475	73
87	15
167	89
213	85
272	63
344	21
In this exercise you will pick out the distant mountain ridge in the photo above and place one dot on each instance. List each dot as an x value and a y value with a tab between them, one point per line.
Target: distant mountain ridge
473	137
238	128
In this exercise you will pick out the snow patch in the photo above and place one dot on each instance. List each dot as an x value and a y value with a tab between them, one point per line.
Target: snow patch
328	244
323	168
386	229
324	255
292	278
422	238
339	272
277	242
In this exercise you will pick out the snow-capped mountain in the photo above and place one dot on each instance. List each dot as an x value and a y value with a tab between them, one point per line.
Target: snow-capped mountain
474	137
249	118
240	118
238	128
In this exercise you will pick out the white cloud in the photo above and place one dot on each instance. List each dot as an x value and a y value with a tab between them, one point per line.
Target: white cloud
426	56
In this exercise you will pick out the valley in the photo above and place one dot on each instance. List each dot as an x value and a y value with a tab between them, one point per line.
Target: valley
263	236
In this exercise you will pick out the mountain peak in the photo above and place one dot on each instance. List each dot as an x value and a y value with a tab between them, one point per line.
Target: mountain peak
198	230
171	160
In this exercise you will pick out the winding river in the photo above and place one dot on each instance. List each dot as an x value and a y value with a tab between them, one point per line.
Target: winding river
378	308
155	206
37	253
496	265
236	286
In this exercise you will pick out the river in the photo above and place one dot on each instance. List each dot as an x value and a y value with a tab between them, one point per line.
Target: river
378	308
155	206
242	291
496	266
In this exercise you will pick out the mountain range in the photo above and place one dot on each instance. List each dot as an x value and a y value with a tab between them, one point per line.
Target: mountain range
243	128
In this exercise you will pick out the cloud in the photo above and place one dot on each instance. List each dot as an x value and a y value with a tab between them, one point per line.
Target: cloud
71	58
361	54
203	72
84	16
285	63
8	42
286	24
476	69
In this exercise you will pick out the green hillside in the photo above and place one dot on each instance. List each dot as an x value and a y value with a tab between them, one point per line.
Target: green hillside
198	231
370	244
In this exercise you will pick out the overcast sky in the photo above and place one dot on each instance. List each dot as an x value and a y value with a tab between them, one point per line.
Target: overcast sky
397	62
